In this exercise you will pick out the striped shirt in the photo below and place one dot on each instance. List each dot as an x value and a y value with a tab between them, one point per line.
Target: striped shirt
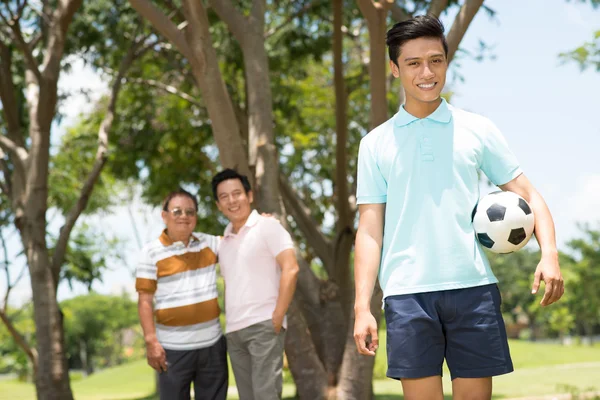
184	283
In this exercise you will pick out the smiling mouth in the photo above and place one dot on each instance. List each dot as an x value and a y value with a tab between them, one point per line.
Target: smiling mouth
427	85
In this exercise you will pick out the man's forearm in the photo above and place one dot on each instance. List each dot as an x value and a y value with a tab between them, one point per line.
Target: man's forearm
544	225
287	287
367	255
146	314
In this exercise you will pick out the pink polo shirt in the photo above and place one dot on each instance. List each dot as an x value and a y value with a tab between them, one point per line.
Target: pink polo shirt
250	270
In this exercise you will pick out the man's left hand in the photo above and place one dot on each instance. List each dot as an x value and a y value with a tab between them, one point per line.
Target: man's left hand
548	271
277	320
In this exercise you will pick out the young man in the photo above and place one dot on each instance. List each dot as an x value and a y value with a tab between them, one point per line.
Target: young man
177	271
417	186
258	263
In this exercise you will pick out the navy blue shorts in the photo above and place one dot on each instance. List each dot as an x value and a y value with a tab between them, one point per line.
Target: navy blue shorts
464	326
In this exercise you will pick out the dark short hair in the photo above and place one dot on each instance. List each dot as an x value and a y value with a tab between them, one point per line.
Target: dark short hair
423	26
176	193
226	175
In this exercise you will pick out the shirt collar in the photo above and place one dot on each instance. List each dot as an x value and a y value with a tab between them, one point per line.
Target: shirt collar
441	114
166	240
251	221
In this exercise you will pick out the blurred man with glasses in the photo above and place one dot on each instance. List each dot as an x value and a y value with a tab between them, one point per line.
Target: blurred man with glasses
176	272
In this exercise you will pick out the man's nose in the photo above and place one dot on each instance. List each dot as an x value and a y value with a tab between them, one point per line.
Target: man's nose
427	73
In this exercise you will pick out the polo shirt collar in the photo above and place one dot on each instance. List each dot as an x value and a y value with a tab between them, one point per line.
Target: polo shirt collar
166	240
251	221
441	114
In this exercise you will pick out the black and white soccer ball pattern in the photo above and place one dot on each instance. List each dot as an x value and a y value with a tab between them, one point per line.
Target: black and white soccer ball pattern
503	222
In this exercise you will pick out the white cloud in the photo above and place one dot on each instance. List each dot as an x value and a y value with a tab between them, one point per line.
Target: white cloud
584	204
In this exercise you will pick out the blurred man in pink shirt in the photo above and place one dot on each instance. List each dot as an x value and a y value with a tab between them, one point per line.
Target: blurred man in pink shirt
258	263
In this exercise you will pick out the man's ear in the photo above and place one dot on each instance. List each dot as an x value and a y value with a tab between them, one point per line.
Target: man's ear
250	196
395	69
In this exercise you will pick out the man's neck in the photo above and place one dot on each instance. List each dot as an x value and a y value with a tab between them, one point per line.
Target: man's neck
238	224
420	109
179	238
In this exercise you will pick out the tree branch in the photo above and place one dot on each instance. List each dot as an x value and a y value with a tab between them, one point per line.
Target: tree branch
17	34
436	7
461	24
11	146
100	160
232	17
63	16
166	88
163	25
5	182
367	8
21	342
8	96
301	214
341	120
398	13
292	17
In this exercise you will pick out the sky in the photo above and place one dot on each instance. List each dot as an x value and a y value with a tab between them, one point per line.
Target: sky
548	111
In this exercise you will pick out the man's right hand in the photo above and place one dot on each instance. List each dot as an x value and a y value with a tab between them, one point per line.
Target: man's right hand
157	358
365	333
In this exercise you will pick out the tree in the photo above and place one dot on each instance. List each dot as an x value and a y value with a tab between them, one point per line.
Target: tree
94	326
584	293
31	61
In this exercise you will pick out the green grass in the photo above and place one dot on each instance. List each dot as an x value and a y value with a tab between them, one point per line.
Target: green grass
539	369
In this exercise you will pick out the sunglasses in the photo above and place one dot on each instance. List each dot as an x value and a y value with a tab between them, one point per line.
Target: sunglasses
178	212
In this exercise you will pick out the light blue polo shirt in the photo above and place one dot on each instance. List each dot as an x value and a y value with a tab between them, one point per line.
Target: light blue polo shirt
426	171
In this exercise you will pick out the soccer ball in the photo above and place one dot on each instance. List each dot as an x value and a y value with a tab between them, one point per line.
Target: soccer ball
503	222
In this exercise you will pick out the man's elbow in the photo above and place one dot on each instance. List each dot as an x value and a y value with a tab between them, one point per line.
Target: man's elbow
294	269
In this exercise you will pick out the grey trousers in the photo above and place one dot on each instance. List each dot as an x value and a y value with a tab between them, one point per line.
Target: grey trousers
256	355
207	368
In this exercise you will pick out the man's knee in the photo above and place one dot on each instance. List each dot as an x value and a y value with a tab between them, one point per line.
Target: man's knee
472	389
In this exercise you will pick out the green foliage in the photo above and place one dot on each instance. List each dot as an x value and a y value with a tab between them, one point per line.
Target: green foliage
95	327
583	286
71	165
587	55
88	255
12	358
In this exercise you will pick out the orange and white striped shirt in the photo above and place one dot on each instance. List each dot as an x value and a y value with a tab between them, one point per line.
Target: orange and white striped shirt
183	280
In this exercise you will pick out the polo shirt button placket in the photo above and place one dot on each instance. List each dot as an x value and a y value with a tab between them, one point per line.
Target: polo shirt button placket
425	144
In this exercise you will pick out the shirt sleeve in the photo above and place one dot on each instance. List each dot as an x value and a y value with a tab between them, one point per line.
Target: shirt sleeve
498	162
277	238
145	273
371	185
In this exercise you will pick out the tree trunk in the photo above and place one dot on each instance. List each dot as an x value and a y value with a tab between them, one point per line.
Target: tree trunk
376	16
52	380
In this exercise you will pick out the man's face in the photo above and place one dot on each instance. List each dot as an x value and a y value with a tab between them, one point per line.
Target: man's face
233	201
422	67
181	216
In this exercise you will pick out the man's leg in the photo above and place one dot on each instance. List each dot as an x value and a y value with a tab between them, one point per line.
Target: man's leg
266	350
472	388
211	379
241	364
176	381
477	346
429	388
415	344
